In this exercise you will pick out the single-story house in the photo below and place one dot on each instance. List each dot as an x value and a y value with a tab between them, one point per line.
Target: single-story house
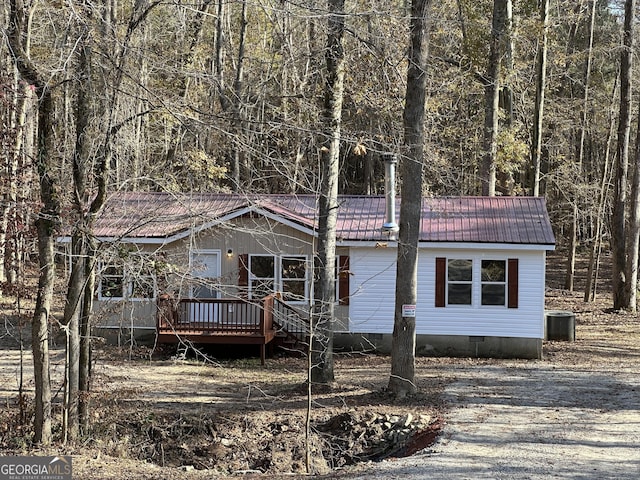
189	261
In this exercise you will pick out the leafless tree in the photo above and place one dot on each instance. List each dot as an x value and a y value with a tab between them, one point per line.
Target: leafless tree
541	82
618	230
322	347
492	98
48	218
402	378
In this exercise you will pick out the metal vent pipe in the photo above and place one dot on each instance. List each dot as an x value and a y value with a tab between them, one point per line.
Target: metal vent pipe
390	227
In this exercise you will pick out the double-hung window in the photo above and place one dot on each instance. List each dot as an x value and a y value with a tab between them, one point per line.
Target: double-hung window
476	282
112	282
285	273
120	281
459	282
262	275
493	282
293	271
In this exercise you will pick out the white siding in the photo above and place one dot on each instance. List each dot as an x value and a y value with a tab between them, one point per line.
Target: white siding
373	295
372	287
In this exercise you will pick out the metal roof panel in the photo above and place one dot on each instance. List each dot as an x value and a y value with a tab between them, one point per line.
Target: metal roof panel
510	220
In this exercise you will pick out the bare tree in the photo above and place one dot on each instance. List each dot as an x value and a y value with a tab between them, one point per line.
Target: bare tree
603	190
322	348
91	171
618	230
48	218
492	98
13	150
402	378
633	234
573	231
541	81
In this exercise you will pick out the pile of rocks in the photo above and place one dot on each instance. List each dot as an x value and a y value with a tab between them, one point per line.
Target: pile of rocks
352	437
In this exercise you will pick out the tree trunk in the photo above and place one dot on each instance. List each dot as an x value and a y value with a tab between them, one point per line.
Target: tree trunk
573	230
618	230
75	288
541	81
605	181
240	175
633	235
402	378
84	373
40	334
9	235
325	269
492	99
72	314
46	224
505	179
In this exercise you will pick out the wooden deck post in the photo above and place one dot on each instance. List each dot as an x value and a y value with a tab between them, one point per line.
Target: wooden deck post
164	312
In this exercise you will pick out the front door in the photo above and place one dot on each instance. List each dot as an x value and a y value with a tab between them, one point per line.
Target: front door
205	270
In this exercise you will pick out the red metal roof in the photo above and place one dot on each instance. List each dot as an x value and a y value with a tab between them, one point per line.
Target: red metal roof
510	220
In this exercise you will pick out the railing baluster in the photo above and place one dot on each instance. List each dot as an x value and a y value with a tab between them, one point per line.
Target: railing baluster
220	316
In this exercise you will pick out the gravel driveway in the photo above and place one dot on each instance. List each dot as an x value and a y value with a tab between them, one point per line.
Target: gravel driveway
533	422
575	414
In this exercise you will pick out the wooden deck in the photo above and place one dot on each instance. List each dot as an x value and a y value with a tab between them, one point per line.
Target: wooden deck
226	321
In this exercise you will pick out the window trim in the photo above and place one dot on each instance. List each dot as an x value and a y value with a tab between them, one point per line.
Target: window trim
278	279
193	254
305	281
504	283
460	282
128	284
512	283
251	277
103	277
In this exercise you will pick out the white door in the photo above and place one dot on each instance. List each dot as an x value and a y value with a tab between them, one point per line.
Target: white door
205	269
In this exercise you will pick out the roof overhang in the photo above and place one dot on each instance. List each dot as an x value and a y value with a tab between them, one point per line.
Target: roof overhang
196	228
450	245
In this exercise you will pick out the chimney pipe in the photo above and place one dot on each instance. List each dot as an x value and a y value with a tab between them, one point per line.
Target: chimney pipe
390	227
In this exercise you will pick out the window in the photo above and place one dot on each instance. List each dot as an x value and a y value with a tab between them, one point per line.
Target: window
294	279
459	282
493	282
271	273
133	282
261	275
112	283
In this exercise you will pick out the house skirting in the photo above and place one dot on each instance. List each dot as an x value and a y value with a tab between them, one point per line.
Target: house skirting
125	335
445	345
426	345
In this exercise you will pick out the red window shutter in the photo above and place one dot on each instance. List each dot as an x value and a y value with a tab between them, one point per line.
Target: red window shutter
441	272
512	281
343	279
243	270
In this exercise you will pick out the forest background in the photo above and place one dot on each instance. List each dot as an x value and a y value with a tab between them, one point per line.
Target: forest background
524	98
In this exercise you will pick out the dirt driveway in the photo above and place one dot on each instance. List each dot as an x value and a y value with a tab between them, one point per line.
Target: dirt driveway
576	414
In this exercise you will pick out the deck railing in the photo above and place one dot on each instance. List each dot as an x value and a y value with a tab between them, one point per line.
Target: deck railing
212	316
225	316
290	319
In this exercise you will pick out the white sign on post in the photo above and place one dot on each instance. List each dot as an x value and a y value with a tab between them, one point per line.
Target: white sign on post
408	310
